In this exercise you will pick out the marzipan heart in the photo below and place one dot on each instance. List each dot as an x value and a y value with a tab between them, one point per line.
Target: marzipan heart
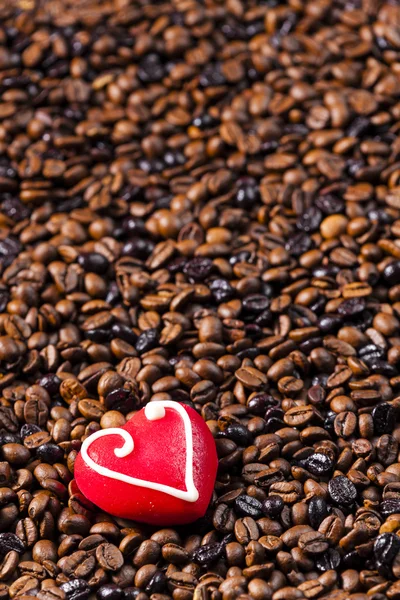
159	468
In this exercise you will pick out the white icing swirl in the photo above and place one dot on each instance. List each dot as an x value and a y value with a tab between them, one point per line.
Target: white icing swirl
153	412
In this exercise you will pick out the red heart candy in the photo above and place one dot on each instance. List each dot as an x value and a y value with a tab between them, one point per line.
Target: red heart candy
159	468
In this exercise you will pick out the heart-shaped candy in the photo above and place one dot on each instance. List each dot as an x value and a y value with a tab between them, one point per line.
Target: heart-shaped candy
159	468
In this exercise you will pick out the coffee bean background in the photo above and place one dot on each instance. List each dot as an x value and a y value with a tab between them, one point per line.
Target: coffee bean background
200	202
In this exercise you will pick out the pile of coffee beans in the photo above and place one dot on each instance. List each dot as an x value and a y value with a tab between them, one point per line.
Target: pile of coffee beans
200	202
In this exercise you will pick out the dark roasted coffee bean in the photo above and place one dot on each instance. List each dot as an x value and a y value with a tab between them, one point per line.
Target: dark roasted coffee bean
131	593
198	269
9	438
10	542
390	507
76	589
157	583
248	506
208	554
384	418
221	290
247	193
9	249
29	429
138	248
329	323
330	204
310	220
51	383
237	433
298	244
99	335
342	490
386	547
317	511
259	403
391	273
151	69
94	262
124	332
327	561
272	506
147	341
319	464
120	399
50	453
111	591
255	303
351	306
14	209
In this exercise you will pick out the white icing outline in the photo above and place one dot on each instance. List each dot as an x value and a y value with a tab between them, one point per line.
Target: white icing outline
153	411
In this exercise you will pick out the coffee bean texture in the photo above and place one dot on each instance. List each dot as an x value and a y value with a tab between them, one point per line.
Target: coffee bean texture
200	203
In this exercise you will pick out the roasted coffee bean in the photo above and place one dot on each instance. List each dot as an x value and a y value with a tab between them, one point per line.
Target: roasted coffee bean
384	418
10	542
342	490
272	506
202	204
109	557
386	547
237	433
319	464
29	429
131	593
157	583
75	589
317	511
208	554
147	340
110	591
248	506
93	262
391	273
50	453
327	561
390	507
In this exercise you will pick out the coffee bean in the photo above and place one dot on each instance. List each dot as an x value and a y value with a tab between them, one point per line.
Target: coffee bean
237	433
208	554
313	542
216	224
131	593
76	589
386	547
109	592
384	418
29	429
342	490
327	561
317	511
51	383
157	583
109	557
147	340
94	262
272	507
318	464
198	268
50	453
248	506
391	273
10	542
